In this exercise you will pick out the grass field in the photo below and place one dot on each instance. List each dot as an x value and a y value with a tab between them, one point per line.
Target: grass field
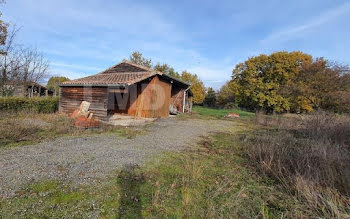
220	113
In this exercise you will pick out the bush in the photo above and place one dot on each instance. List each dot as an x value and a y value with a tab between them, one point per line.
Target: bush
37	105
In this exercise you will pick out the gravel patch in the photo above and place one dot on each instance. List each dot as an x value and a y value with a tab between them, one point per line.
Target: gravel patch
81	160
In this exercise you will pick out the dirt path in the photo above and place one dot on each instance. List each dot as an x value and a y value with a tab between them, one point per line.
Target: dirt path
87	159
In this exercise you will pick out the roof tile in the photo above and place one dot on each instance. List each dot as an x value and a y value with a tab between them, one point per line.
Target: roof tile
124	73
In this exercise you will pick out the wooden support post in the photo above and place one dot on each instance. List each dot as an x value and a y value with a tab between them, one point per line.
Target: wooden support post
191	105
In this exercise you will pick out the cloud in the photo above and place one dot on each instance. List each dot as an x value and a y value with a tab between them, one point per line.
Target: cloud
293	32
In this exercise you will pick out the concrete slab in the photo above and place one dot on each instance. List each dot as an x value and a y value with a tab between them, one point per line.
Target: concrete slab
123	120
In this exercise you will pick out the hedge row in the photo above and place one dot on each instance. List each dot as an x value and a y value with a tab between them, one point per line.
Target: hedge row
38	105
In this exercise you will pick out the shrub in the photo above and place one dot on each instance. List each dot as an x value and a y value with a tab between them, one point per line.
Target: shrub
37	105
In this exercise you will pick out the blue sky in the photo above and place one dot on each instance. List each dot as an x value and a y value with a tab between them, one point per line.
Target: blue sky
83	37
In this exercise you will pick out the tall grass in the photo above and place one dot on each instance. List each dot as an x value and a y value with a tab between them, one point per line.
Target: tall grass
309	155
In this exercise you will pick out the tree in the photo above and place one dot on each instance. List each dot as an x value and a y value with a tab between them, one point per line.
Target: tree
288	82
3	29
166	69
262	80
137	58
210	98
10	62
228	93
321	84
20	64
34	65
174	73
197	86
53	82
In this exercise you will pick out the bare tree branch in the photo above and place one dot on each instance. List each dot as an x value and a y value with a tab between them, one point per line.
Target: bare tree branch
20	64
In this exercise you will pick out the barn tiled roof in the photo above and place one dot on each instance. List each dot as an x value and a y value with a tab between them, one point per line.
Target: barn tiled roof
124	73
126	78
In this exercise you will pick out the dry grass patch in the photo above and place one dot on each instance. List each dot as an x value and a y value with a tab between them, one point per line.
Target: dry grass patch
27	128
309	155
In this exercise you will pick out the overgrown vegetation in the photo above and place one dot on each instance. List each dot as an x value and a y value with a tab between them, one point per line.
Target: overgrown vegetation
309	156
34	105
27	128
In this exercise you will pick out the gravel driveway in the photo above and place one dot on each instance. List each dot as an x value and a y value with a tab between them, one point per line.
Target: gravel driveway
86	159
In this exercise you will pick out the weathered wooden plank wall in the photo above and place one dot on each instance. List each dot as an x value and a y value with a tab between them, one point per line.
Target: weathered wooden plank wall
154	99
71	98
122	101
150	99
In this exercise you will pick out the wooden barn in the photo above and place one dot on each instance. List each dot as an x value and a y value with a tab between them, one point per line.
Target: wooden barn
127	89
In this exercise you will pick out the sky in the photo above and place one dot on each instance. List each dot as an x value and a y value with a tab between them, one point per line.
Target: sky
208	38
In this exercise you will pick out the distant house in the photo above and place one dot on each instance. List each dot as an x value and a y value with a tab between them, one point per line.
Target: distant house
27	89
127	89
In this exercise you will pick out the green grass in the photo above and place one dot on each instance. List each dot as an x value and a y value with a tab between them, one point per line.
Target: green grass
53	199
213	180
220	113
